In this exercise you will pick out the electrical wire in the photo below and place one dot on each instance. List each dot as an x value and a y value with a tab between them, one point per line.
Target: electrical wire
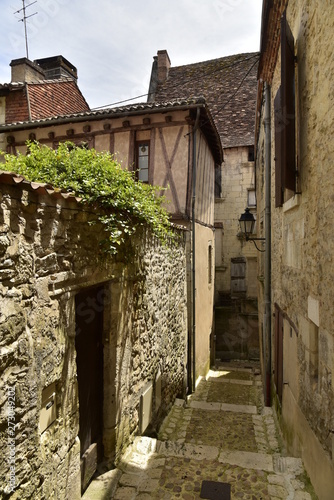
201	77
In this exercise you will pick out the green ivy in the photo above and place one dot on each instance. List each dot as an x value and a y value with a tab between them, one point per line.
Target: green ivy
97	179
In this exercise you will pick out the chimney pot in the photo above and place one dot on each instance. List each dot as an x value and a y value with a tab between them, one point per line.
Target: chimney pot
57	67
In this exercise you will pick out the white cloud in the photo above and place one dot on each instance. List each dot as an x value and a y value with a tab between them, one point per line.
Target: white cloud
112	42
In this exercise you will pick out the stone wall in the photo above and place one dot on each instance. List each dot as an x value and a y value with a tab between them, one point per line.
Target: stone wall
238	177
48	254
302	249
236	327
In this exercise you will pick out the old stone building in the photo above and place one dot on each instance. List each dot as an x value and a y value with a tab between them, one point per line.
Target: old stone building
92	349
229	85
156	325
294	172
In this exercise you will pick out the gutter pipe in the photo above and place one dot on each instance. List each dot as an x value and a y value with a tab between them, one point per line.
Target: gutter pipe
267	269
193	339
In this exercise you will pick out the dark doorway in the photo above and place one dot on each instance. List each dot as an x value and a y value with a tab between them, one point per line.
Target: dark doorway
88	342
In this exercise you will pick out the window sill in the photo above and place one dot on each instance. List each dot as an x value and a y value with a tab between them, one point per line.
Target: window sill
294	202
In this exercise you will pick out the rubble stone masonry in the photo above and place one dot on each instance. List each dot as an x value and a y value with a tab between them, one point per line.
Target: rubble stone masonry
48	254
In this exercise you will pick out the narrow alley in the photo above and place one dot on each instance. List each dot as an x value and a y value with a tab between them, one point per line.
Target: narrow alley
221	444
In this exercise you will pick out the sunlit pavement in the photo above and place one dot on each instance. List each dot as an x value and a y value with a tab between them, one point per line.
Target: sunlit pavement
222	443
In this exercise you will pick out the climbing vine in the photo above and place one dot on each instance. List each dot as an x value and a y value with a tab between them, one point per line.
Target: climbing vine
98	179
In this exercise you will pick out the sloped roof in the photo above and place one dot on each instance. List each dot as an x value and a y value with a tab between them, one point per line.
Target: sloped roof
229	86
55	97
208	125
44	99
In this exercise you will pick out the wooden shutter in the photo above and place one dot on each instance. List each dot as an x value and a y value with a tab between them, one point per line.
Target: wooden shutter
238	275
288	105
279	190
278	375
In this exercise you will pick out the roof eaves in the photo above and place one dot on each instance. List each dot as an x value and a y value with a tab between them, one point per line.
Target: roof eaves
133	109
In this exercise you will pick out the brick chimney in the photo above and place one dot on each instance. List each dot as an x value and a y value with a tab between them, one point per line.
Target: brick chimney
24	70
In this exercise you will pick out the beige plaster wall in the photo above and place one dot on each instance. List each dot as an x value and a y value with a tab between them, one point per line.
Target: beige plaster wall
121	148
171	164
204	238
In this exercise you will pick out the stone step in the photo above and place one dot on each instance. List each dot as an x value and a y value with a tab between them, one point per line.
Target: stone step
142	467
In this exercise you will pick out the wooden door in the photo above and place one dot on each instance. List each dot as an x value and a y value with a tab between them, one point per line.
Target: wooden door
278	375
88	343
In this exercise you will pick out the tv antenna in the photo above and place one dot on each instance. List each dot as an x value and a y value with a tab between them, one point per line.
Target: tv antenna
24	20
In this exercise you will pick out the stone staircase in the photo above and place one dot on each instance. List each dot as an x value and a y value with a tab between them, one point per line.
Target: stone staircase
222	436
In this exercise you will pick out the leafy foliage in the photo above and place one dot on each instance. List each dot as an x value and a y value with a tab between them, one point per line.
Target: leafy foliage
97	178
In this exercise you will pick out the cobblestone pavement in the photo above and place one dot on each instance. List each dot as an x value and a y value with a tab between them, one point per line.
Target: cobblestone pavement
221	434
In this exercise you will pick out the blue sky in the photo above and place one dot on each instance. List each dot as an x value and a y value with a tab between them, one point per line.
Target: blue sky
112	42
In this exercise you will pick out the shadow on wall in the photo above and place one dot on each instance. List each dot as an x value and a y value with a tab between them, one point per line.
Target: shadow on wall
236	329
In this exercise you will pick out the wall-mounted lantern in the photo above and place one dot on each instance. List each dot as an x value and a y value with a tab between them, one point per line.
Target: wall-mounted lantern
247	223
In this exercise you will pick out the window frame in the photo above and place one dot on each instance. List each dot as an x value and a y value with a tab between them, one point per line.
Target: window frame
139	143
210	264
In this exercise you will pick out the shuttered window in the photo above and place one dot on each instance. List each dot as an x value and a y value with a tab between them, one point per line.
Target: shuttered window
288	136
279	190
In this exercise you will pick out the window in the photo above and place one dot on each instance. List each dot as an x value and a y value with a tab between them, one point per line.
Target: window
210	264
285	118
251	198
142	151
278	123
251	153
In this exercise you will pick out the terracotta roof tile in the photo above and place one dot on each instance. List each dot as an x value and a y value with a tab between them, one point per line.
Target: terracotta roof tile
229	86
47	98
54	98
137	108
12	178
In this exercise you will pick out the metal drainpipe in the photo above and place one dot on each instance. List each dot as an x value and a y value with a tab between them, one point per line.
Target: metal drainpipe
193	378
267	270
